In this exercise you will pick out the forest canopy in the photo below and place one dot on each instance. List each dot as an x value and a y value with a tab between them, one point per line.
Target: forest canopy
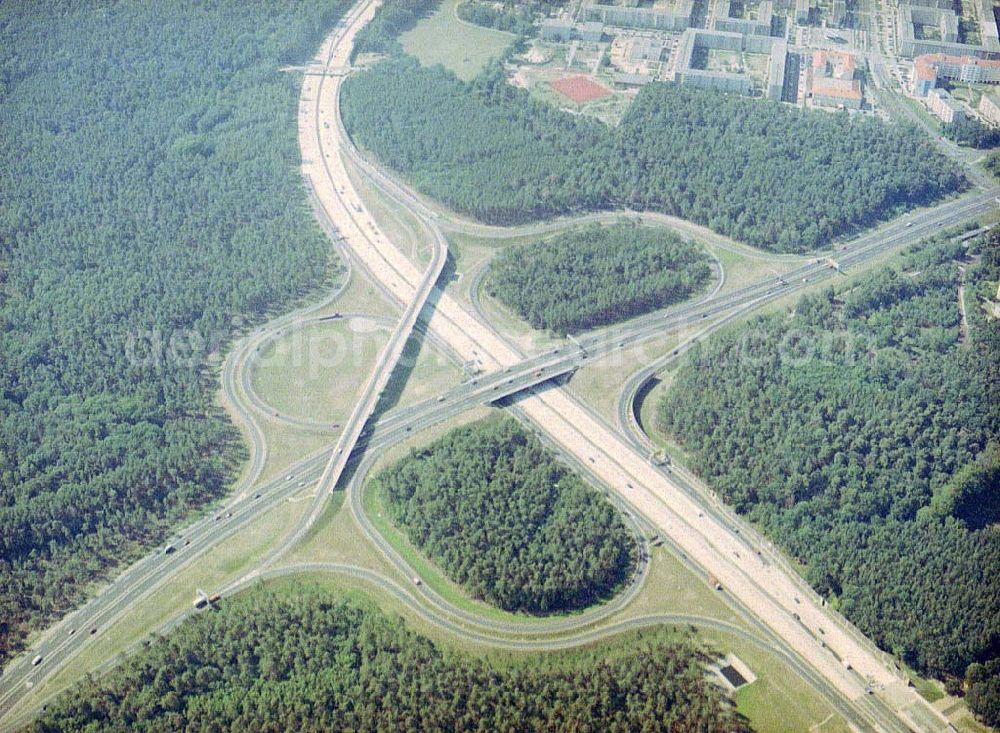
304	660
861	434
494	509
150	205
779	178
596	275
513	16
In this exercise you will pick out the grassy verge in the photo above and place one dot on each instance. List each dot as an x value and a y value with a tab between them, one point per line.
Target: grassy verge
742	270
422	373
777	700
398	225
508	323
600	382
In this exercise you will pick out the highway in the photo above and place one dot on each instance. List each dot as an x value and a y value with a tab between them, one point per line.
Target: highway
376	384
768	591
467	336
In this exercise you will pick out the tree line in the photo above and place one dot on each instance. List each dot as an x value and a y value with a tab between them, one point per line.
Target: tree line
972	133
595	275
992	163
493	508
150	208
776	177
513	17
304	660
861	433
393	18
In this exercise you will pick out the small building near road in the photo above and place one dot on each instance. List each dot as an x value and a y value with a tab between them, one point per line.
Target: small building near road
556	29
945	107
592	31
989	108
733	673
642	48
631	80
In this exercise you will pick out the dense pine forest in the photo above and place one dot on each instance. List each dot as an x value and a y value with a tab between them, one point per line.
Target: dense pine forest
758	171
862	434
597	275
305	661
494	509
150	203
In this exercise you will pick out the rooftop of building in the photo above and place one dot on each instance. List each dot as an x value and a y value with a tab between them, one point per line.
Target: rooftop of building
925	66
946	98
837	88
835	64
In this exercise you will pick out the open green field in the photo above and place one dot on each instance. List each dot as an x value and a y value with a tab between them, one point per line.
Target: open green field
319	370
735	62
721	60
461	47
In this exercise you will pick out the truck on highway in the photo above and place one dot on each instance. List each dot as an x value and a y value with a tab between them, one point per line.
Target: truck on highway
36	661
168	549
714	582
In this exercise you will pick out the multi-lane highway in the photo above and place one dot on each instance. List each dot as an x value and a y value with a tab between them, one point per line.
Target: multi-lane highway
550	409
767	590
